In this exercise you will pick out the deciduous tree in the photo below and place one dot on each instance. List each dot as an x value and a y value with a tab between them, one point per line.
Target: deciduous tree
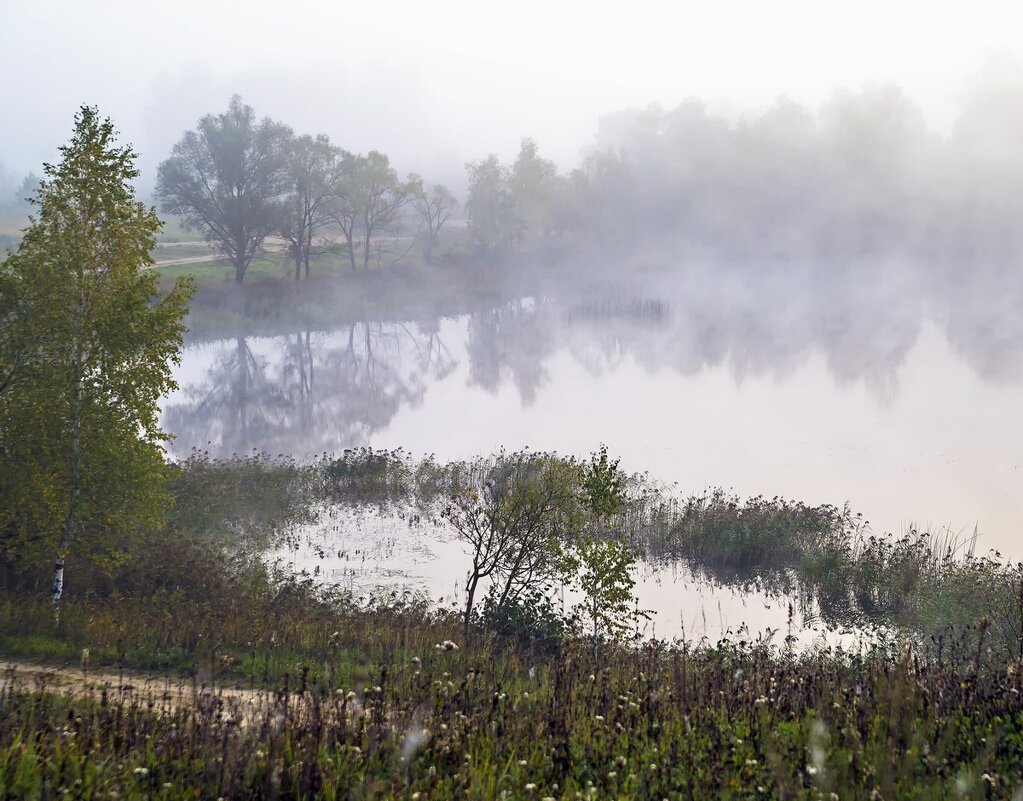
81	461
490	205
314	172
226	179
517	513
435	208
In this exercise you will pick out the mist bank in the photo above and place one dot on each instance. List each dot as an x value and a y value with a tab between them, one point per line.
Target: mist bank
862	175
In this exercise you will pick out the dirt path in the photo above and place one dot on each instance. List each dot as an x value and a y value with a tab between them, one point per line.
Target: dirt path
185	260
126	685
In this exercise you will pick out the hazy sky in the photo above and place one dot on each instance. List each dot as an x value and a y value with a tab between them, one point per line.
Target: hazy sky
435	84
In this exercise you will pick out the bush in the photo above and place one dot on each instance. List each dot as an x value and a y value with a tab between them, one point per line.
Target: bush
530	623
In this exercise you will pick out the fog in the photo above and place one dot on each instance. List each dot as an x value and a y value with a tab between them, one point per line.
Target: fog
774	247
822	196
437	84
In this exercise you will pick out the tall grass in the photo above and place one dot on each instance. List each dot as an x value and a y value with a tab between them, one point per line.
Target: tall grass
725	720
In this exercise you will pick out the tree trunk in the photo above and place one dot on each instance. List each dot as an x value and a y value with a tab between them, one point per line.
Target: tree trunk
239	269
71	521
365	244
351	252
470	590
298	265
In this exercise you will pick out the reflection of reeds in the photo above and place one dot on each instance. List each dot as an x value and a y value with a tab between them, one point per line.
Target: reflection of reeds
652	312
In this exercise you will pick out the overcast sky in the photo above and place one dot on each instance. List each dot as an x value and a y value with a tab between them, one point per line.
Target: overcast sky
435	84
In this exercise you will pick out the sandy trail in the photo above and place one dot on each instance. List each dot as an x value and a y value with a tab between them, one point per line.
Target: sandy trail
126	685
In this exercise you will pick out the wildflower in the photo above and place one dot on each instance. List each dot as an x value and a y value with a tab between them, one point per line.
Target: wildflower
653	766
525	695
752	763
416	660
530	787
612	775
598	718
415	796
620	761
145	772
523	763
811	770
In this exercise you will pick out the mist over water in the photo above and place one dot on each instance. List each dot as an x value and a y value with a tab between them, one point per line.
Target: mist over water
774	248
905	409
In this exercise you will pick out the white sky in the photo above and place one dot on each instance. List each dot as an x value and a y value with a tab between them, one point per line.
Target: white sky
435	84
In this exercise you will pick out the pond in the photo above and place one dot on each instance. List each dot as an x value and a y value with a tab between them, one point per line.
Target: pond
905	404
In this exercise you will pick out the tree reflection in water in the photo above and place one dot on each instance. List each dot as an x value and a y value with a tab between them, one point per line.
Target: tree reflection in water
309	392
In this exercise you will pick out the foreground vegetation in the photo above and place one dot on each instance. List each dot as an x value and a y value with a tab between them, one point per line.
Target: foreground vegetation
386	698
733	720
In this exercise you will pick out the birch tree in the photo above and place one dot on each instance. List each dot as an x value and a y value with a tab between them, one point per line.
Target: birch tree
81	462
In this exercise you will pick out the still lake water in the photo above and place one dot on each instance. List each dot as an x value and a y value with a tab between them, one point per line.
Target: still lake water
912	412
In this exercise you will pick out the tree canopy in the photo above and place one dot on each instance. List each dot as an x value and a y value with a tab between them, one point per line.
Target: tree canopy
227	178
87	352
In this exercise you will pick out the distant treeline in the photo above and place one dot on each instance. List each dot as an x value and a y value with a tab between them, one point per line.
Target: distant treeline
863	176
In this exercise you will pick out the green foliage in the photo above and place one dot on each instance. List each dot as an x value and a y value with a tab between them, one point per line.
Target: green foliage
87	351
517	513
603	485
529	624
368	202
605	578
604	562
